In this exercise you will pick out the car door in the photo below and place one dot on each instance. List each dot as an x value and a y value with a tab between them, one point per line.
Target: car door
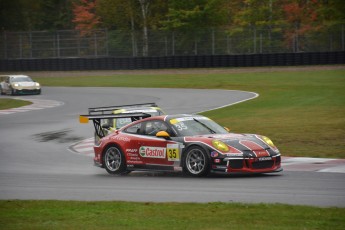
152	150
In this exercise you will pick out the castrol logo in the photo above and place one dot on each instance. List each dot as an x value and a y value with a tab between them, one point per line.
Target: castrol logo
152	152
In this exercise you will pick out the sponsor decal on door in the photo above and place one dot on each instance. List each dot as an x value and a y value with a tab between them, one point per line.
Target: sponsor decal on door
152	152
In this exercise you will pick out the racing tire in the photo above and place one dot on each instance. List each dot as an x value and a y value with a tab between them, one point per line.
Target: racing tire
114	161
196	162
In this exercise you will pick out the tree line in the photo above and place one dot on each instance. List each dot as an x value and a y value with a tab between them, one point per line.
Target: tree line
297	17
29	15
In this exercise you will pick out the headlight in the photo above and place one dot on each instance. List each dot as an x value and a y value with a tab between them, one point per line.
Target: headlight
268	141
220	145
37	84
16	85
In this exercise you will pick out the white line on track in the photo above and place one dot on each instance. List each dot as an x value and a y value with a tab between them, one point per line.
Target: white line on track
37	105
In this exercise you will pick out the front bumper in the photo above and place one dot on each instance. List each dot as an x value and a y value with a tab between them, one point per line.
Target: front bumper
23	91
247	165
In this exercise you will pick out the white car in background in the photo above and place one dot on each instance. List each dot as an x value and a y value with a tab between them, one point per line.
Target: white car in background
18	85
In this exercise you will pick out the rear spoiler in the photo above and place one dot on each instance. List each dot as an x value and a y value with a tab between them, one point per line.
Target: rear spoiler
97	119
112	108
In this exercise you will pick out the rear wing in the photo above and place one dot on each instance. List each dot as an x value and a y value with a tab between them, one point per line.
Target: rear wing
97	119
103	110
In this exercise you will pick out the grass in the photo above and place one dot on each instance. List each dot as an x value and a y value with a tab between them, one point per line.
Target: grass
302	112
132	215
12	103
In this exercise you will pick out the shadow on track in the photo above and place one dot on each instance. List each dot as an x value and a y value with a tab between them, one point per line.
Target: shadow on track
137	174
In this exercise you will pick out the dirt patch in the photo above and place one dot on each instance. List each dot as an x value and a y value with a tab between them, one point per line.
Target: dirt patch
177	71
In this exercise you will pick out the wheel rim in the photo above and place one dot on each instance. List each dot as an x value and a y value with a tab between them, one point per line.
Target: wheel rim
113	159
195	161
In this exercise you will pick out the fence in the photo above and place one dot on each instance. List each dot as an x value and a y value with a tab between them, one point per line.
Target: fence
117	43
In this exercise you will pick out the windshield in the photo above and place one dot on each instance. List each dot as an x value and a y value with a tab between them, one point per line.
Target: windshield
121	122
21	79
191	126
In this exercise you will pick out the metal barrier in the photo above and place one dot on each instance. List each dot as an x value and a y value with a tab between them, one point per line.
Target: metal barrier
206	61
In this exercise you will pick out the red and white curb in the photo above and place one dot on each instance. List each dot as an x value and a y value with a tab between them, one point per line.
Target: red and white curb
84	147
313	164
37	104
301	164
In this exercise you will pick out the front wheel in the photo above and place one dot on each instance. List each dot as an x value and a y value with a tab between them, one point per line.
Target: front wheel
114	160
196	162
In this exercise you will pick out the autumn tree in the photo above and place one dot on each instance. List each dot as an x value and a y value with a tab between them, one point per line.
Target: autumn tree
85	17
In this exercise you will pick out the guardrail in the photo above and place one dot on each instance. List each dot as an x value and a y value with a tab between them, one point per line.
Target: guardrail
207	61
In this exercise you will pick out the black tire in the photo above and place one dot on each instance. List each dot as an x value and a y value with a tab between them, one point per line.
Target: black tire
196	162
114	161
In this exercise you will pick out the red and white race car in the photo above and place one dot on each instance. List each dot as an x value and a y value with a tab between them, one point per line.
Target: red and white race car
194	143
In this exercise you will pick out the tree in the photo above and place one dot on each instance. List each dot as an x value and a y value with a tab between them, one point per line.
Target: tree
302	16
57	15
132	15
85	17
26	15
187	15
144	5
332	13
19	14
257	15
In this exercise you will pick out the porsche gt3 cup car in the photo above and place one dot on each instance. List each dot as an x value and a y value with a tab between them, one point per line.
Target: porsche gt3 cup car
194	143
111	124
19	84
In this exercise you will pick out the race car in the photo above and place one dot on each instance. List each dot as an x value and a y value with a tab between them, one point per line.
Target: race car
111	124
192	143
18	84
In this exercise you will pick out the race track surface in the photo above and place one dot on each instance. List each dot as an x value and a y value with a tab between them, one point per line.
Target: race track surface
36	162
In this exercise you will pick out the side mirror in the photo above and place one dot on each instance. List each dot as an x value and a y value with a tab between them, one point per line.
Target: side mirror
163	134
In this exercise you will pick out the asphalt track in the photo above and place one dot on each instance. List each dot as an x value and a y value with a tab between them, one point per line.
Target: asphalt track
36	163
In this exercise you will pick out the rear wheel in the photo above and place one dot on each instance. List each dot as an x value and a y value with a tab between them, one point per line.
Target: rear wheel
114	160
196	162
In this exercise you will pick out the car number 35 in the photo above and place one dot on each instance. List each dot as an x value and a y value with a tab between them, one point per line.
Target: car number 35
180	126
173	152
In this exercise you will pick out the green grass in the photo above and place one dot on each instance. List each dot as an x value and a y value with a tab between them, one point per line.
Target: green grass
302	112
131	215
12	103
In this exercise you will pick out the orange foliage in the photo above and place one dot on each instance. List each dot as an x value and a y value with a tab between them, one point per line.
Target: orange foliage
85	17
303	15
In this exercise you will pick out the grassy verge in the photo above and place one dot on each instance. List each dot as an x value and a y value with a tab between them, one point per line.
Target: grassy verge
130	215
303	112
12	103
